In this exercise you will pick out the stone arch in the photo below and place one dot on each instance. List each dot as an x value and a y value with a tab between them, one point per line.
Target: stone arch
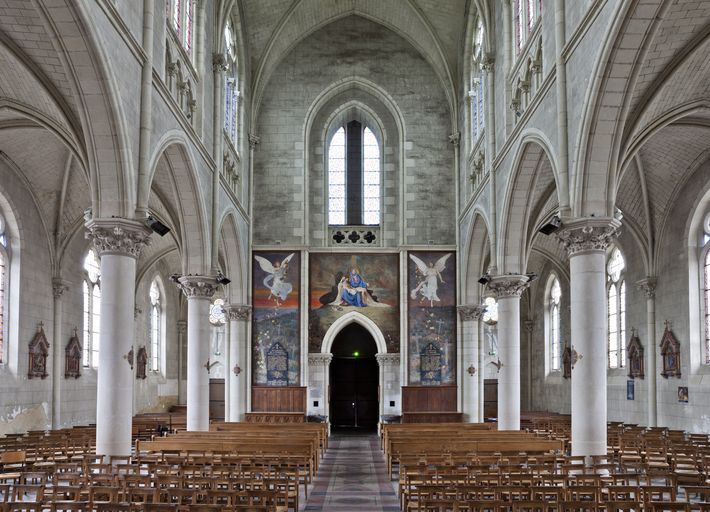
231	246
358	318
478	246
173	176
534	174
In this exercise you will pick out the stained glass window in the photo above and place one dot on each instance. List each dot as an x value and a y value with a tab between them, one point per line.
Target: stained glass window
182	15
490	316
155	326
554	318
336	178
706	286
217	314
616	313
91	289
477	119
3	267
525	16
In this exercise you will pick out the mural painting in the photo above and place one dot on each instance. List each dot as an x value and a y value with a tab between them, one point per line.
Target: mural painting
276	346
341	283
431	316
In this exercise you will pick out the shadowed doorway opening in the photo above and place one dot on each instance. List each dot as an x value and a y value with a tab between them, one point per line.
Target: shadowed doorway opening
354	380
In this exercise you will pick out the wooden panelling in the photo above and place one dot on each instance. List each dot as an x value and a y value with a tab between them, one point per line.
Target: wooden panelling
217	399
275	417
278	399
432	417
428	399
490	398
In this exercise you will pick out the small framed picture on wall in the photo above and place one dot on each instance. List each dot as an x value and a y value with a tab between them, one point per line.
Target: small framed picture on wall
683	394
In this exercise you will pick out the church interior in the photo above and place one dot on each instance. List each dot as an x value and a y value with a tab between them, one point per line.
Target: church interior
342	255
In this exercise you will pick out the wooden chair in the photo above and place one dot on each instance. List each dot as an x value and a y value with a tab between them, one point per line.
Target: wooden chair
668	506
580	506
624	506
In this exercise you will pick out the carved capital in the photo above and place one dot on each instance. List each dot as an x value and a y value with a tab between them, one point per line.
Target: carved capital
239	312
508	285
219	62
455	138
199	287
253	141
648	286
387	359
488	64
469	313
589	234
59	286
529	325
181	326
118	236
316	359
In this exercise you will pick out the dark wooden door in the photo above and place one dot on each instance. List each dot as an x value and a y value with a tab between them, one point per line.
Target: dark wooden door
354	392
217	399
490	398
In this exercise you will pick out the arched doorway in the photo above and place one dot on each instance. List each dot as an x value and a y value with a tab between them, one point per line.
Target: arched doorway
354	379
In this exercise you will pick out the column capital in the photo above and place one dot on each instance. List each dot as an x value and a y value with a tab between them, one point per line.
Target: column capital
324	359
239	312
648	286
219	62
488	64
253	141
471	312
118	236
181	326
455	138
529	325
385	359
198	287
59	286
508	285
588	234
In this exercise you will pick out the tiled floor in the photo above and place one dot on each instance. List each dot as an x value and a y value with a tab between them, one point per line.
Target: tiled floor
353	476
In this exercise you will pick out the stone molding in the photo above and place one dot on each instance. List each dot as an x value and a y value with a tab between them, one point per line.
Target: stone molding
455	138
253	140
315	359
508	285
387	359
471	312
197	287
239	312
118	236
59	286
589	234
648	286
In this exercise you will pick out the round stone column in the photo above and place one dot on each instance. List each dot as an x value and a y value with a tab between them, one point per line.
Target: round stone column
198	290
470	348
508	289
59	286
648	286
586	241
236	376
118	243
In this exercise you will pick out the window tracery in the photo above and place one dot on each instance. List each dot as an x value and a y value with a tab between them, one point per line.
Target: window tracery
231	84
4	266
525	14
182	14
554	299
91	288
476	92
156	327
616	314
705	265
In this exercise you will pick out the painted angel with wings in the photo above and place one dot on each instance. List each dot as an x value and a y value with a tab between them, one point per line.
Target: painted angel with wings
275	280
428	286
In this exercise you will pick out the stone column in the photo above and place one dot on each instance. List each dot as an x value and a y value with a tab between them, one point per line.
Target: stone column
470	349
319	383
118	243
236	376
182	330
648	285
586	241
508	289
59	286
390	387
198	290
529	326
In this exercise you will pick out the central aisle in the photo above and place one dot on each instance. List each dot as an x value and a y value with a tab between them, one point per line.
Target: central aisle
353	476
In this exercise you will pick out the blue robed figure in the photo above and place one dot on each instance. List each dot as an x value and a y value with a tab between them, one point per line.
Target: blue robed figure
354	289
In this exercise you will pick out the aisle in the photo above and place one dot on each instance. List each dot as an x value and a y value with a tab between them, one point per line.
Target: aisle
353	476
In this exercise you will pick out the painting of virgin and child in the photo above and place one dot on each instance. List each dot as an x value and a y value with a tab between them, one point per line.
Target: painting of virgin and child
365	283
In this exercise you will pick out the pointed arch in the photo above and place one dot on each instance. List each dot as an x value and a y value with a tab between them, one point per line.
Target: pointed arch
347	319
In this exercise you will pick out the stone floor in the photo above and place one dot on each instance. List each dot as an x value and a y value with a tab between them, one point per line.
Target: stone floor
353	476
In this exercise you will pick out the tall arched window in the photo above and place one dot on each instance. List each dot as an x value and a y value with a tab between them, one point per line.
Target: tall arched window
4	270
354	176
525	15
92	309
706	289
616	302
475	94
231	84
182	15
156	326
554	340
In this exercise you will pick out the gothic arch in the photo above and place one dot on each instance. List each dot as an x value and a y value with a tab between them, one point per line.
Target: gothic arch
349	318
231	246
476	250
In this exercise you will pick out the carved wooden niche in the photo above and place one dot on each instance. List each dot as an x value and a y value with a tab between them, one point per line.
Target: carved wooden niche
635	354
72	358
670	352
141	363
39	350
567	363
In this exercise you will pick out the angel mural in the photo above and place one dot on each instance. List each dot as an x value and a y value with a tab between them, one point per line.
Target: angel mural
428	286
275	281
